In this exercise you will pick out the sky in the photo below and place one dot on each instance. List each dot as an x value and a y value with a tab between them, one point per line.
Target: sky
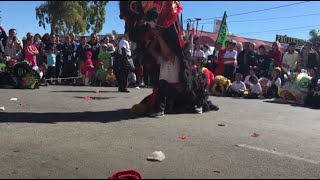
21	16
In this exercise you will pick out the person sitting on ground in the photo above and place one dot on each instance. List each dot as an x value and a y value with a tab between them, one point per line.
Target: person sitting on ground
101	74
271	68
253	72
238	87
111	80
275	83
255	89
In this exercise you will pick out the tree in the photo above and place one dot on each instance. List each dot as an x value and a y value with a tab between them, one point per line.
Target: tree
314	36
72	16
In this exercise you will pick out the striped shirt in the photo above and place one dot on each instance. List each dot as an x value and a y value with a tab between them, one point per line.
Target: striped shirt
15	51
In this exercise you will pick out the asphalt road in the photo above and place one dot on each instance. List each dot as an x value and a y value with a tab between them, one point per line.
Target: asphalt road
54	133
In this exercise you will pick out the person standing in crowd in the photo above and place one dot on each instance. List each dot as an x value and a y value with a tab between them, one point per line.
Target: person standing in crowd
120	68
37	42
218	63
313	60
105	56
316	47
87	68
290	59
51	54
24	40
230	60
276	54
243	60
14	46
239	47
59	61
198	56
46	39
262	62
68	60
207	53
31	53
74	44
82	48
95	47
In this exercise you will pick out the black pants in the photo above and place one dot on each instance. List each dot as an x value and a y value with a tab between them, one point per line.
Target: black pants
122	78
252	96
69	70
51	73
166	97
229	72
272	92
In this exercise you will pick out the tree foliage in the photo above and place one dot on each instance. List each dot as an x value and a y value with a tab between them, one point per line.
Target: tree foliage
72	16
314	36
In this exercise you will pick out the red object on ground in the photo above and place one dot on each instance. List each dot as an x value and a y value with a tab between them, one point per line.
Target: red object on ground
127	174
87	98
183	137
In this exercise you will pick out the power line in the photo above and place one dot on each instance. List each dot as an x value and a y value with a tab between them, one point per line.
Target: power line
251	20
279	30
277	7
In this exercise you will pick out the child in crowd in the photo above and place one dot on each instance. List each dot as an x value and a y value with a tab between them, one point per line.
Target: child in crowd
42	72
105	56
275	83
86	69
238	87
253	72
111	80
31	53
271	68
255	89
51	55
100	74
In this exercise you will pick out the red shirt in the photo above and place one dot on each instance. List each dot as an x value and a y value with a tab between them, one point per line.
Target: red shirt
86	66
220	63
32	59
277	56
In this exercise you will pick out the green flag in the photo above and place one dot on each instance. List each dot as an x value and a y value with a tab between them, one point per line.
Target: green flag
223	31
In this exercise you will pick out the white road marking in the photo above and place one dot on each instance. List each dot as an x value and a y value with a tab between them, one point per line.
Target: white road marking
279	153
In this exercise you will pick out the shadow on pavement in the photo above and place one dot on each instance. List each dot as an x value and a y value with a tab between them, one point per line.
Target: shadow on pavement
103	117
97	98
294	105
87	91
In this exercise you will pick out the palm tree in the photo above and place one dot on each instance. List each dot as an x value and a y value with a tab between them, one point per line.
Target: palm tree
314	36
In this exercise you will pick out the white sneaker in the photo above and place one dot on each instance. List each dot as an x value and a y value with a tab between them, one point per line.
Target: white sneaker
157	115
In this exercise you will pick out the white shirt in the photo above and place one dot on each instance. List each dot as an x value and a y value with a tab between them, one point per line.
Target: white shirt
198	53
231	54
246	80
239	87
169	70
256	88
291	60
124	43
277	83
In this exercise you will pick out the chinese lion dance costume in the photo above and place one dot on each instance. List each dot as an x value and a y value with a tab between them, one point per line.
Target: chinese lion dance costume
141	17
221	86
296	89
18	75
